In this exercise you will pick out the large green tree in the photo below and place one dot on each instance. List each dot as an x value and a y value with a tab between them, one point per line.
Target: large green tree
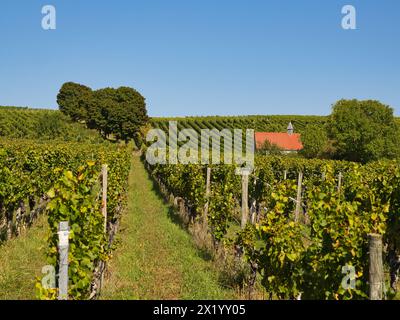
131	113
73	100
364	131
119	112
315	141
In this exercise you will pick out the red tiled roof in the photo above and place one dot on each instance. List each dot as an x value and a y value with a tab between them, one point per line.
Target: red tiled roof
285	141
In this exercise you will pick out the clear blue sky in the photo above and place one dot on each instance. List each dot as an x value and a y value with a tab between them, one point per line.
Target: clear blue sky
204	57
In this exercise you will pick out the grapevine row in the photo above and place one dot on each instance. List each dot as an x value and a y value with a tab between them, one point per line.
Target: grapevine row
42	124
299	258
63	180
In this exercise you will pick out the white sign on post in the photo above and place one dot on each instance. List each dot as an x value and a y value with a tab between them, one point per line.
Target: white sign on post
63	238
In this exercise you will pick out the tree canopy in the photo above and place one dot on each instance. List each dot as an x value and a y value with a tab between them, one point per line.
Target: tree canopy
120	112
270	148
314	140
364	131
72	100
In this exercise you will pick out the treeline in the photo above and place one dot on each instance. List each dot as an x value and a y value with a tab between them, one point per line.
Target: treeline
25	123
118	112
360	131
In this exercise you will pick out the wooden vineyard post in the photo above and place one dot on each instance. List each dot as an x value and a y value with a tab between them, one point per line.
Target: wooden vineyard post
285	175
245	197
339	182
208	187
375	267
9	225
253	211
63	244
104	174
298	198
253	206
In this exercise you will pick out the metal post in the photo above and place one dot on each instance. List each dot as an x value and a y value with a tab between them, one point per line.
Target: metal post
63	244
104	173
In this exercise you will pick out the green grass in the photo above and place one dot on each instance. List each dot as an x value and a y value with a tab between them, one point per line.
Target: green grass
156	258
21	260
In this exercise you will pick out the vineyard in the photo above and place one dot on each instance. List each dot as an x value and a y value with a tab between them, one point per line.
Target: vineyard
40	124
199	159
296	225
63	181
298	239
258	123
273	123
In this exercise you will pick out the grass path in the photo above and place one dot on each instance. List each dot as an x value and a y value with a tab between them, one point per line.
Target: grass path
155	257
21	260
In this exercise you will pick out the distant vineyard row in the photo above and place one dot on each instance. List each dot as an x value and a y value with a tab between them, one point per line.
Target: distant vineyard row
273	123
42	124
18	122
276	123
